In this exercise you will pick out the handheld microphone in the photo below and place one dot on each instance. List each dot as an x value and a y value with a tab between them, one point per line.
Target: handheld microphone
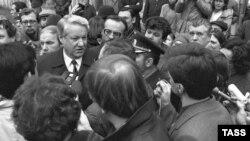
65	75
217	91
235	91
69	77
77	86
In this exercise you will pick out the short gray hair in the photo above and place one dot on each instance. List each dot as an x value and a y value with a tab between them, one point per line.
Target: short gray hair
71	19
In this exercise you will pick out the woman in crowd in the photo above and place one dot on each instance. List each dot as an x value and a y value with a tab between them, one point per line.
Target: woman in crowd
221	13
96	25
49	40
168	13
216	41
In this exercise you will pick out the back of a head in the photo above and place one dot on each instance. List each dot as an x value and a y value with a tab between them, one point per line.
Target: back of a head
53	20
106	10
16	61
118	46
222	65
231	43
116	84
193	66
96	25
45	109
241	59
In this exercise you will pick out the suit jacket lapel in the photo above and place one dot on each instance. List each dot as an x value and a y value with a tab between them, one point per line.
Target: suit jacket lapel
87	59
58	64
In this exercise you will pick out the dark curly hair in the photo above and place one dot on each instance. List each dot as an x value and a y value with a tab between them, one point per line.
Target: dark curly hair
45	109
8	26
231	43
224	7
241	59
16	61
159	23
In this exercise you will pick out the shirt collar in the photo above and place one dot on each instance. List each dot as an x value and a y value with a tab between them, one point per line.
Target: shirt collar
5	103
68	60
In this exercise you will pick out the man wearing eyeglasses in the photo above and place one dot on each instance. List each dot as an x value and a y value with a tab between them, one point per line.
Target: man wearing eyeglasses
29	20
114	28
30	23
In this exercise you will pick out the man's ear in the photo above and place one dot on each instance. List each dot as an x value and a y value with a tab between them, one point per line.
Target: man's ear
99	40
103	111
149	62
61	39
178	89
27	76
133	20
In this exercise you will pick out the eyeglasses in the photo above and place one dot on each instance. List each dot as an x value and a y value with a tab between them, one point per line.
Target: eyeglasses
115	34
32	22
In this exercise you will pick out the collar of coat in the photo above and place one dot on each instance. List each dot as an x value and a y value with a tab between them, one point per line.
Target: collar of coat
60	60
142	115
194	110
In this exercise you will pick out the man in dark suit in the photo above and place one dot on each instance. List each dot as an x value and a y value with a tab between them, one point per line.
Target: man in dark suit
194	74
74	56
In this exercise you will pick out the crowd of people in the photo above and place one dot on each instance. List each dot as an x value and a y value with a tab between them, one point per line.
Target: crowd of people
130	70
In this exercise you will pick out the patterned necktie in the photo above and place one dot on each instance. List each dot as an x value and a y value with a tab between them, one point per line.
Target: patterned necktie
74	63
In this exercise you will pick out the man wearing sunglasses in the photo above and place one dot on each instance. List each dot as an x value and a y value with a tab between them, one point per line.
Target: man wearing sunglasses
114	28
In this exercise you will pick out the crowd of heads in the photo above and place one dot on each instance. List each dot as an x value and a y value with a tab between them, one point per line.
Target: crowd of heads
45	108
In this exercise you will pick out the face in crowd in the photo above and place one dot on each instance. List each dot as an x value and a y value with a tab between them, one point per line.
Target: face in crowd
4	37
49	42
155	35
74	40
214	44
199	34
219	4
7	31
30	24
126	15
112	30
